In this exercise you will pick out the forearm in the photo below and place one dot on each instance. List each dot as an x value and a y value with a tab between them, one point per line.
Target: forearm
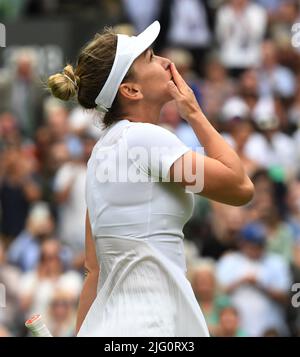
276	295
215	145
87	297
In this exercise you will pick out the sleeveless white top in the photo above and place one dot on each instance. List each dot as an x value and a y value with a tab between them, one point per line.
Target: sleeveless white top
137	228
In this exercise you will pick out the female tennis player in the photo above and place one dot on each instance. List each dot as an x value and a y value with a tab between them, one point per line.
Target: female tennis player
136	283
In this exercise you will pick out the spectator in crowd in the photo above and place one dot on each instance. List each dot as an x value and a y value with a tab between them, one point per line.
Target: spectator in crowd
276	150
10	135
57	155
187	24
262	142
83	123
240	28
274	79
281	22
69	188
257	281
248	88
57	123
37	287
51	155
18	189
239	130
210	299
217	231
280	236
22	93
216	88
61	314
229	323
268	190
24	252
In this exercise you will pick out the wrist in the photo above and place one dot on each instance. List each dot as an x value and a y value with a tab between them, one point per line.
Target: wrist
195	116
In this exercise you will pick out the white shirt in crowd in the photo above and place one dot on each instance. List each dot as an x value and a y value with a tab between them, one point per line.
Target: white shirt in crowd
71	227
142	12
258	312
189	24
240	35
43	290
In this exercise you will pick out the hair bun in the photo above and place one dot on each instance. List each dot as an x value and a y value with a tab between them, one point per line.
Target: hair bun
64	85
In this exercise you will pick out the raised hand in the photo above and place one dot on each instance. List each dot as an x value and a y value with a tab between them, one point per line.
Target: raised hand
184	96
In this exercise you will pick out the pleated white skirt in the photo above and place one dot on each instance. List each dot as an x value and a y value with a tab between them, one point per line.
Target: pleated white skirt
141	293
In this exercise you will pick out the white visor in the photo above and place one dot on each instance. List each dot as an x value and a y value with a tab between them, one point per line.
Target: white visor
128	49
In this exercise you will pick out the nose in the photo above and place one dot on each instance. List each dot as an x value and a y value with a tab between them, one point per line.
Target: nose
165	62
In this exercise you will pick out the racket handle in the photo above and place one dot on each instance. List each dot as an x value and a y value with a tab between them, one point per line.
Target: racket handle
37	326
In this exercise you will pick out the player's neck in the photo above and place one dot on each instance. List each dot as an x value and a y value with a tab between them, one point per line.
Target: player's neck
144	113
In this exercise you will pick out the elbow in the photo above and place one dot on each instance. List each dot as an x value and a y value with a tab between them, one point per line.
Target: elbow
245	193
91	270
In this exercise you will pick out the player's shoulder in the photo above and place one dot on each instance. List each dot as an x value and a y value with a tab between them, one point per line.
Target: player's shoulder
139	126
147	132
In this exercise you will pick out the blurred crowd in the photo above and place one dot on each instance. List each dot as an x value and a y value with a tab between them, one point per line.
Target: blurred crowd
240	59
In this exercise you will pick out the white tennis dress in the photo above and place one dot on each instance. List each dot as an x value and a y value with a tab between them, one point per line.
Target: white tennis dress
137	228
